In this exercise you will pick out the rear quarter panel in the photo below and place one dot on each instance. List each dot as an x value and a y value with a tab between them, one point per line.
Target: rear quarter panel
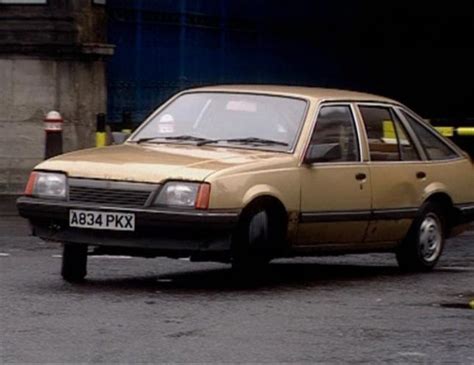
456	178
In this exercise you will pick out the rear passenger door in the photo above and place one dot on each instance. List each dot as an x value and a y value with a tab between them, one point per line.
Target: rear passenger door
396	171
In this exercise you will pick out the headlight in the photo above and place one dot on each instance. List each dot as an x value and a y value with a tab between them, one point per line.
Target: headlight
184	194
46	185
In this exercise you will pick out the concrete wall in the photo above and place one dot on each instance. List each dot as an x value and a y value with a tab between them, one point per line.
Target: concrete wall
52	57
31	88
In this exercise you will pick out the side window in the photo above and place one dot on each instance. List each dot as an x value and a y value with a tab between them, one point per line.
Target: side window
388	139
334	138
407	147
435	148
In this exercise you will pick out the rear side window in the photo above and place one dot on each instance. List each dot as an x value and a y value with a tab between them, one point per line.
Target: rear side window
388	139
435	148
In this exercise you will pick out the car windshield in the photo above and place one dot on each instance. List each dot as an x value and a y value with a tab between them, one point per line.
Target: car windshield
227	118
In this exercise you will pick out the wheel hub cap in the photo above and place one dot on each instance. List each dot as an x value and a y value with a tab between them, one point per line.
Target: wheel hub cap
430	239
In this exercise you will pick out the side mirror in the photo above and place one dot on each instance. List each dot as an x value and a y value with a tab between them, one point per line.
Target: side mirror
323	153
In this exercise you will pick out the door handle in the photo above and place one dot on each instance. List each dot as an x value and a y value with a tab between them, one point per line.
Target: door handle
361	176
420	175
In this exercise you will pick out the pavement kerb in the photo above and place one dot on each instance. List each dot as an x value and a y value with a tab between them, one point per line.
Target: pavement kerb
8	205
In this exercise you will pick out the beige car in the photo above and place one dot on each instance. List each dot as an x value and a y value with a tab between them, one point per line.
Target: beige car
244	174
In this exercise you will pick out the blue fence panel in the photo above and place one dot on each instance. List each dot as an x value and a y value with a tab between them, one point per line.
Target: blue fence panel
166	46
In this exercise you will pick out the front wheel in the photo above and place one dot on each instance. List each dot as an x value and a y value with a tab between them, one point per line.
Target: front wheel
74	262
252	243
422	247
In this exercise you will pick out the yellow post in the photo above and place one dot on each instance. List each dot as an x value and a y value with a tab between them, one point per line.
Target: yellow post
446	131
100	139
388	129
100	134
465	131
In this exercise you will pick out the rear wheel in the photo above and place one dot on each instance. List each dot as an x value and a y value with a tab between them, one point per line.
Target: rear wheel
422	248
74	262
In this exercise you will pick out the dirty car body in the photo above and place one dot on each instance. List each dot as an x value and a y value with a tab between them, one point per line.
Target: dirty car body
244	174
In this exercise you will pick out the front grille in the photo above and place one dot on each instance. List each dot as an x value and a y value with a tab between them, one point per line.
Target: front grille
128	195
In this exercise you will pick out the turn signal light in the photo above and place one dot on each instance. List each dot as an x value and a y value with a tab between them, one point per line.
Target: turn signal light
203	195
31	183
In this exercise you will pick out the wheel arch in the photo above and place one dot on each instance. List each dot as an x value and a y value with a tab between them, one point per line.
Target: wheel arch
265	200
277	213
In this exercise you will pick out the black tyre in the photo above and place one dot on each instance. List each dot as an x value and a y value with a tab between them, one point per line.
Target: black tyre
424	243
252	247
74	263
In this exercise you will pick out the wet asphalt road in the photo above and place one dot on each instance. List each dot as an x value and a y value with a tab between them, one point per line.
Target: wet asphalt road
332	310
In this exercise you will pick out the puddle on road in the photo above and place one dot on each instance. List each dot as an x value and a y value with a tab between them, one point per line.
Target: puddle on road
464	301
457	305
456	268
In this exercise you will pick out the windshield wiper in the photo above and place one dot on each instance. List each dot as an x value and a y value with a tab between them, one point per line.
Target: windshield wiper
185	137
251	140
173	138
203	141
141	140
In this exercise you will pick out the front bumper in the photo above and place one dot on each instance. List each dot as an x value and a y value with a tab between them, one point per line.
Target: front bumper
158	232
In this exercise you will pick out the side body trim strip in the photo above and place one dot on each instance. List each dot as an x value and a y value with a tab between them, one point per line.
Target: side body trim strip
358	215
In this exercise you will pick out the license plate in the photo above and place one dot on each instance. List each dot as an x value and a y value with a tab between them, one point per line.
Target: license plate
102	220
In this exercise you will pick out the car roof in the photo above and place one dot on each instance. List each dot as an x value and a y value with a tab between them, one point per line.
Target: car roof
299	91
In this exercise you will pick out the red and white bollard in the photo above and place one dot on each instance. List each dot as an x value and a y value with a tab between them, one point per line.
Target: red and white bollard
53	127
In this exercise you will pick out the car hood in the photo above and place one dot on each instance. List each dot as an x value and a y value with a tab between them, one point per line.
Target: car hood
153	163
